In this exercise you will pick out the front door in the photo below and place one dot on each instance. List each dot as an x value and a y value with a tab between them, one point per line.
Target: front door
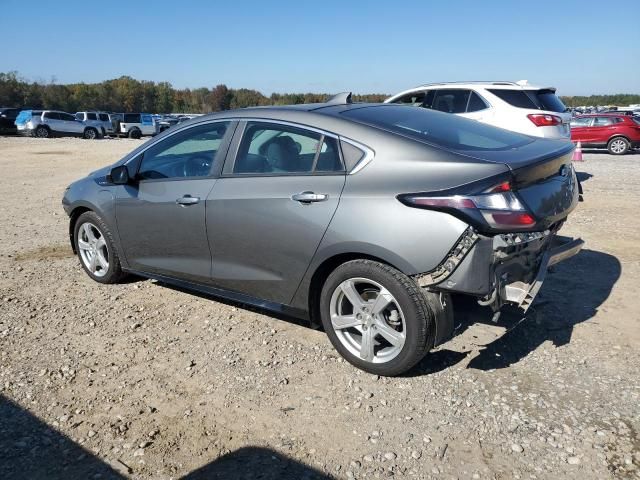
161	215
269	210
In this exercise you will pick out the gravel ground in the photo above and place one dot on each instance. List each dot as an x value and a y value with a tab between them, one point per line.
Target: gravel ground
141	380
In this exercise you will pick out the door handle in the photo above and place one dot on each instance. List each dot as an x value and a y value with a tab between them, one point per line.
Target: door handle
309	197
187	200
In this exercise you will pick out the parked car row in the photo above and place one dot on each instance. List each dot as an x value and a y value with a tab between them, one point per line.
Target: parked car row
87	124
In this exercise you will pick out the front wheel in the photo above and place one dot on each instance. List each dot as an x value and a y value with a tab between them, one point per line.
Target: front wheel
618	146
376	317
96	250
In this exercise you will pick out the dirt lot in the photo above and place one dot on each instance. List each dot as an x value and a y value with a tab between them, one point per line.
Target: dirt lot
140	380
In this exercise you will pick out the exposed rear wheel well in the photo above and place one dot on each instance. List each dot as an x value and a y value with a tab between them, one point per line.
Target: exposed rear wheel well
323	271
72	224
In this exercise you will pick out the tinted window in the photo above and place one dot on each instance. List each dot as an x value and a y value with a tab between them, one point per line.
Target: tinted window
80	116
448	131
67	116
581	122
415	98
603	121
476	103
52	115
279	149
186	154
548	100
92	116
517	98
104	117
352	154
451	101
636	119
131	118
11	113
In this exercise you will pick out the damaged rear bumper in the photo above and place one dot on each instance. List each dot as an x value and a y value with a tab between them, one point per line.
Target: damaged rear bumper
503	269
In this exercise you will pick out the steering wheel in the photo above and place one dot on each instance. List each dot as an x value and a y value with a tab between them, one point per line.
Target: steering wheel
197	166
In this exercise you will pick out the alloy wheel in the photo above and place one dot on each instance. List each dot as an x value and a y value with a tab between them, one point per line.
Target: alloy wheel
93	249
618	146
368	320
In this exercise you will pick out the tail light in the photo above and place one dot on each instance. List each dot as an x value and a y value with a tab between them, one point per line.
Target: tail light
544	120
498	207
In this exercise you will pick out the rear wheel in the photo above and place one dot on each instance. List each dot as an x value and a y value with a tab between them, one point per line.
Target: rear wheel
376	317
135	133
90	134
42	132
618	146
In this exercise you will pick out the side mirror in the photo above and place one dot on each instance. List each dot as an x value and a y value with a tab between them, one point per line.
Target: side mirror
119	175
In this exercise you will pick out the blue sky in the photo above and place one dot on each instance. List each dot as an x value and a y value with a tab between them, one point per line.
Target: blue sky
581	47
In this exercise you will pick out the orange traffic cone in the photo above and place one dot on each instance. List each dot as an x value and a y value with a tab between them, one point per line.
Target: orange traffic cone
577	153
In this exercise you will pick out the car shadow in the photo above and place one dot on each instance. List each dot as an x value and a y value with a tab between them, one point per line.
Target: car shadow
571	294
29	448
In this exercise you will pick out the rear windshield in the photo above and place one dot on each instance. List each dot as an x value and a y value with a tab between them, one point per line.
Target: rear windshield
443	130
531	99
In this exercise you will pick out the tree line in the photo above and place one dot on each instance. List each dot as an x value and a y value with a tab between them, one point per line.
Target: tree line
126	94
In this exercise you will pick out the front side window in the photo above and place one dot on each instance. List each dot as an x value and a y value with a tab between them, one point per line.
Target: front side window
581	122
280	149
190	153
451	100
414	98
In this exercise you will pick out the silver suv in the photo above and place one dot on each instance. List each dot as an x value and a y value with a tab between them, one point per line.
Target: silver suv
53	123
100	120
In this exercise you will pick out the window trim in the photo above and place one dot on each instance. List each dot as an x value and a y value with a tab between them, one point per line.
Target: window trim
214	172
232	156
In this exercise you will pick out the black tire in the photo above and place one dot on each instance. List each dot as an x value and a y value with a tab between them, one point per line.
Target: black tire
114	273
135	133
116	128
416	305
42	132
90	134
618	146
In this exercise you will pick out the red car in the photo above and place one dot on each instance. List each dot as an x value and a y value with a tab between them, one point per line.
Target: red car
618	133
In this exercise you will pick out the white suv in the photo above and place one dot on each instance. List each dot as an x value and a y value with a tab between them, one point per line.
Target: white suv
516	106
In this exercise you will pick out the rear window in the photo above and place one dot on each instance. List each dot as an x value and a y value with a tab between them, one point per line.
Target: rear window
92	116
104	117
131	118
548	100
449	131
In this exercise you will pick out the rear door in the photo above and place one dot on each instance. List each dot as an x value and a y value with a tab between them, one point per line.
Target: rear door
53	121
271	207
580	127
161	214
70	124
603	128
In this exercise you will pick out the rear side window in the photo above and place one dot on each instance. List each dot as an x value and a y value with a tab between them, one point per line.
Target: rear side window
80	116
581	122
281	149
52	115
451	100
66	116
103	117
549	101
516	98
448	131
92	116
131	118
476	103
603	121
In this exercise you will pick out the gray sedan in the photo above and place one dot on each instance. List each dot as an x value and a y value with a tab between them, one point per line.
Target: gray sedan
361	217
